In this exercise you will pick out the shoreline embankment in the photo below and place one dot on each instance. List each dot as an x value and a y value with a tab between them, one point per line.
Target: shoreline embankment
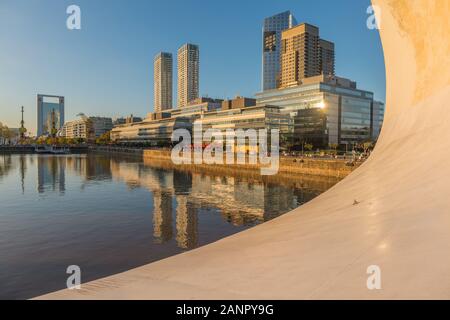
336	168
31	149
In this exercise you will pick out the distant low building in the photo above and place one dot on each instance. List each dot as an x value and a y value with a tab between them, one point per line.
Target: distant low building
78	129
101	125
86	128
126	120
197	107
238	103
239	113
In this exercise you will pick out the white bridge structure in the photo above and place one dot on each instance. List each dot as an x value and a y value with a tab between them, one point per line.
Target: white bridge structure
393	212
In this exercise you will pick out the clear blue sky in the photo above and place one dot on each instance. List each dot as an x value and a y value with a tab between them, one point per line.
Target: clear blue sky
106	68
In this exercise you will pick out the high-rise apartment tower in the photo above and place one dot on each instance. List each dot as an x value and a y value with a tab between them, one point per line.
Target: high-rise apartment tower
272	29
163	70
304	55
188	74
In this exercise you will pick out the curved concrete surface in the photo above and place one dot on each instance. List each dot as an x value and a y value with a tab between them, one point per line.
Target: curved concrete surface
322	250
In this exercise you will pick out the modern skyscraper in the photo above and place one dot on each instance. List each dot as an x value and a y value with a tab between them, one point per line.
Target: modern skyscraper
162	76
326	57
188	74
50	114
273	27
304	55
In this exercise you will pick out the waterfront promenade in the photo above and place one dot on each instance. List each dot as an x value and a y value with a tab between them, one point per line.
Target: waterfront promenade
392	212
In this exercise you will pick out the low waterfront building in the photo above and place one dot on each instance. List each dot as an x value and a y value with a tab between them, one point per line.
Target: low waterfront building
155	131
86	128
157	128
252	117
328	110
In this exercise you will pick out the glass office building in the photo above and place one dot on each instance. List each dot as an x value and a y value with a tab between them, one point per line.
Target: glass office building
253	117
272	29
378	118
49	112
328	110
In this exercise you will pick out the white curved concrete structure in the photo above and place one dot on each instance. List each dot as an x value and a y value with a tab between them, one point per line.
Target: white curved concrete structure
323	249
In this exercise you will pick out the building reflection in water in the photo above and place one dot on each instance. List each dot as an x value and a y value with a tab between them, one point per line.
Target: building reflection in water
6	165
97	168
23	171
51	174
167	186
52	170
187	223
177	196
162	217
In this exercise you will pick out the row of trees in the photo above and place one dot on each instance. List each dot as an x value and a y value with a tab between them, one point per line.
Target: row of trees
102	140
7	135
57	141
364	147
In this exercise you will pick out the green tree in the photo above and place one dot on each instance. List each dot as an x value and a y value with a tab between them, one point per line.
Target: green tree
308	146
104	138
49	140
61	141
40	141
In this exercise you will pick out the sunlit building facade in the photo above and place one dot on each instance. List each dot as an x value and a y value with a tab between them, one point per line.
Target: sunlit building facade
153	130
86	128
304	54
188	74
327	110
78	129
252	117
